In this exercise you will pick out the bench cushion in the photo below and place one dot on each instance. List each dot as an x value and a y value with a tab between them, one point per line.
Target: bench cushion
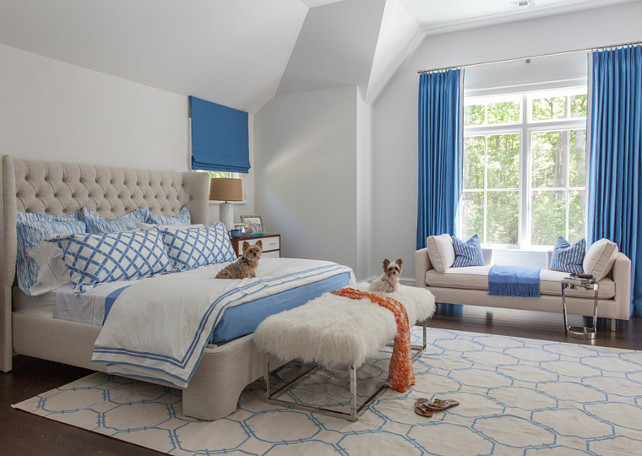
476	278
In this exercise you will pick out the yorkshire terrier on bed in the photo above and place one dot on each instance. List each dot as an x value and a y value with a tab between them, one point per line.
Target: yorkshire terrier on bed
389	280
244	267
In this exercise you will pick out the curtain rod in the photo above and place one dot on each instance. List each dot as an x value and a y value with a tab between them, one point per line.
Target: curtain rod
633	43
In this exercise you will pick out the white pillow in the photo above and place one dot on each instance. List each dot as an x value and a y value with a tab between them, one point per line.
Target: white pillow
52	272
441	251
599	258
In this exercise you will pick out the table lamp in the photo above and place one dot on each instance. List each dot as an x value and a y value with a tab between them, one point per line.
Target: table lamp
224	189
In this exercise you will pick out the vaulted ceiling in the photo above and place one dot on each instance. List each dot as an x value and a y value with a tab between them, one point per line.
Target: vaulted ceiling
240	53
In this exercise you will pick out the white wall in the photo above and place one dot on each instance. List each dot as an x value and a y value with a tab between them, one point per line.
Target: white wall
52	110
306	172
395	111
364	187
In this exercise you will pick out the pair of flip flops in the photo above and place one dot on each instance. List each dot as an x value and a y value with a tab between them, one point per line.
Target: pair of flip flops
424	407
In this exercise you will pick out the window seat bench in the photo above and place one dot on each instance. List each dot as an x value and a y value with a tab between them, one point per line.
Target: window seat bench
469	286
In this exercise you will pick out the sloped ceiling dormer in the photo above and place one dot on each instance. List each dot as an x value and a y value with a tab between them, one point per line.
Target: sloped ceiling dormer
240	53
335	47
231	52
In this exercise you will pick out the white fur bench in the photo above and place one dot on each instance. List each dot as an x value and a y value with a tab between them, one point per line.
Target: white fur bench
335	330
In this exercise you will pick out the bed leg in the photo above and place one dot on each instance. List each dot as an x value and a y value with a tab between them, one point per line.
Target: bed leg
6	337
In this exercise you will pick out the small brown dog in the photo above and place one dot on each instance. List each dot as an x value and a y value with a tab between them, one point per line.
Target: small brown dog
389	280
244	267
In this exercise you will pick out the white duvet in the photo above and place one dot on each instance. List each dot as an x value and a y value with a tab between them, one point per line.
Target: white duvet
158	328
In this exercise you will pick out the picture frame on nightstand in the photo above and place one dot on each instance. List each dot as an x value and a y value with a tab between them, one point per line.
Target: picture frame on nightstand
253	224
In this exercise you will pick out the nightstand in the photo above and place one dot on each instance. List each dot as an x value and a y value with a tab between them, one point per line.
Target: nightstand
271	244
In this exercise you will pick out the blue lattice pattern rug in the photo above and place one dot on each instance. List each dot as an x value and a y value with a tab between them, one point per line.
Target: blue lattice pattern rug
517	397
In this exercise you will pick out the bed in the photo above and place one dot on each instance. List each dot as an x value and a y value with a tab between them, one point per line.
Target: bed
224	369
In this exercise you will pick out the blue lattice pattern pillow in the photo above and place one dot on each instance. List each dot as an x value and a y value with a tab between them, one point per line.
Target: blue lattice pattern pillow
190	248
93	259
468	253
31	229
182	218
567	257
97	224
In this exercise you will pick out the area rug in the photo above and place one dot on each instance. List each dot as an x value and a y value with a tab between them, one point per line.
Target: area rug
517	397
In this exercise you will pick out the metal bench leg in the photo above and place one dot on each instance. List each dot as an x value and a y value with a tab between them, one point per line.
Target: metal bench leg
355	410
353	392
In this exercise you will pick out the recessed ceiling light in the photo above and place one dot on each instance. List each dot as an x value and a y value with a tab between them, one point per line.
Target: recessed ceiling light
522	3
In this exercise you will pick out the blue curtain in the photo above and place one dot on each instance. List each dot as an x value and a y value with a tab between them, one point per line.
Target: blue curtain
219	137
439	141
615	190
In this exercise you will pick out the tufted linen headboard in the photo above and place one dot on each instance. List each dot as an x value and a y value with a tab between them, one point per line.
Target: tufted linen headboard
64	188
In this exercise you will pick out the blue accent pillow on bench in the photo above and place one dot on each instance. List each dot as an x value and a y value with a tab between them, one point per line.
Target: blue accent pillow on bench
468	253
567	257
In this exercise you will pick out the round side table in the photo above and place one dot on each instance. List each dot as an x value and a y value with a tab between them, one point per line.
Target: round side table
580	332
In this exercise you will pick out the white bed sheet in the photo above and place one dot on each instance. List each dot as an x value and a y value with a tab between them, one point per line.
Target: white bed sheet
89	307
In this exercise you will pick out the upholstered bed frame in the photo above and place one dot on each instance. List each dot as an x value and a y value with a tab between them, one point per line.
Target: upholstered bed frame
64	188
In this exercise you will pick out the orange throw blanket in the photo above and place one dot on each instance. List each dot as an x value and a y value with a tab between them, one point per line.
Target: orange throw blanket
400	370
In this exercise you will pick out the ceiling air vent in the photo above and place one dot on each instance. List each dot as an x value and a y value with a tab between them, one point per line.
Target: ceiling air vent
522	3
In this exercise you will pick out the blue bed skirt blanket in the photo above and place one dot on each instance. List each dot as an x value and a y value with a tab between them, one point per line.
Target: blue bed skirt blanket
513	281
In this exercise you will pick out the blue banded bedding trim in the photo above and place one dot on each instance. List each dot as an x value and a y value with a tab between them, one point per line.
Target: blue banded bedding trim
243	319
180	374
520	281
239	291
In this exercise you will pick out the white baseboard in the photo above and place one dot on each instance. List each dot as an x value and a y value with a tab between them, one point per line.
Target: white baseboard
404	280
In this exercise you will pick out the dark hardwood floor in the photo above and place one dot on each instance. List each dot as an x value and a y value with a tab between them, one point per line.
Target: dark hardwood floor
26	434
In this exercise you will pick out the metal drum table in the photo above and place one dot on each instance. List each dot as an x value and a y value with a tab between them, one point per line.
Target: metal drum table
572	283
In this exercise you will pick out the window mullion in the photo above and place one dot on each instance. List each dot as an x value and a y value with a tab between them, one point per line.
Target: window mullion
567	156
524	181
485	189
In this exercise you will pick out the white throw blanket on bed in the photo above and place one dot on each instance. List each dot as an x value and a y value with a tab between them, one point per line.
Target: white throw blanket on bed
158	328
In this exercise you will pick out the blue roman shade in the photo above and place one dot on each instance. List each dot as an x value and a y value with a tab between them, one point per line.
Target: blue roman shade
219	137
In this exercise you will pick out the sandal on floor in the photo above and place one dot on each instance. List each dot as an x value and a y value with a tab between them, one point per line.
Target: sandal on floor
438	405
422	410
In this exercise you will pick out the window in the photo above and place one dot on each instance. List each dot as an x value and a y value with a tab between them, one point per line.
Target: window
217	174
524	168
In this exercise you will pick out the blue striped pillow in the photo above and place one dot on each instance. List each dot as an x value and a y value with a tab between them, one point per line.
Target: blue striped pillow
97	224
567	257
182	218
93	259
31	229
468	253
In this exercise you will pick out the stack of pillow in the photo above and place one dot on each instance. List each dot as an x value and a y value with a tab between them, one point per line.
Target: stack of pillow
445	251
597	261
86	250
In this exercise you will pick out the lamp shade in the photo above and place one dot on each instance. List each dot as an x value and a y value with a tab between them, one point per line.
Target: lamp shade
224	189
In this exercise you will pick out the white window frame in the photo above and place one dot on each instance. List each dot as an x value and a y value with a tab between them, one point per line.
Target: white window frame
524	129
